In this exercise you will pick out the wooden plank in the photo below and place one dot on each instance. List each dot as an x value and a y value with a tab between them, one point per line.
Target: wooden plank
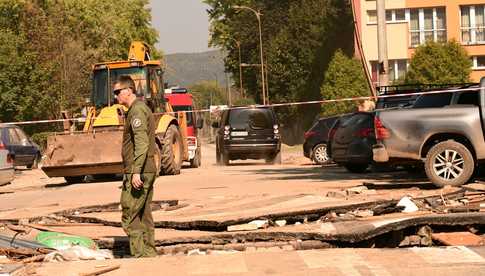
101	271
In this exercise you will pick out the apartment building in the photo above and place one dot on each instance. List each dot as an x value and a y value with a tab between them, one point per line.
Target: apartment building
413	22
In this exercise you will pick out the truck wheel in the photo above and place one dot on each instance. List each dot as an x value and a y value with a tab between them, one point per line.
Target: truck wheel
356	167
171	152
449	163
196	162
275	159
320	155
224	158
158	159
35	163
218	157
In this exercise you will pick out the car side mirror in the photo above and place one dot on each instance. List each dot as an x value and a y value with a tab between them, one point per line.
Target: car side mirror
200	123
215	124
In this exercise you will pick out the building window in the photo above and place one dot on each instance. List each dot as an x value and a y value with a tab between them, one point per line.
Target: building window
397	70
392	16
427	25
372	17
478	62
472	24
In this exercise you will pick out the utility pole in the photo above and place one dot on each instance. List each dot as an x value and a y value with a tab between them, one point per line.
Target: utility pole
228	89
382	43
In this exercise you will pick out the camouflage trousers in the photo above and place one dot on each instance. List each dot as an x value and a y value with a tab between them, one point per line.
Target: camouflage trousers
136	218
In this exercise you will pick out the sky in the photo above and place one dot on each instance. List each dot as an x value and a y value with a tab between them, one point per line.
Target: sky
183	25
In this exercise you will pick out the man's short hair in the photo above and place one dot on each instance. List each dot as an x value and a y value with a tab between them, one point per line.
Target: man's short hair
126	81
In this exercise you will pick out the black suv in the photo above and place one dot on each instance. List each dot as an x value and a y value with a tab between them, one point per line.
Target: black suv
248	133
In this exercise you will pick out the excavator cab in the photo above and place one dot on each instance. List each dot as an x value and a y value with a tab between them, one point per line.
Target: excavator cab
147	78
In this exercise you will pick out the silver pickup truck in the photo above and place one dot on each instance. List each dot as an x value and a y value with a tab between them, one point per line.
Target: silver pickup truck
447	135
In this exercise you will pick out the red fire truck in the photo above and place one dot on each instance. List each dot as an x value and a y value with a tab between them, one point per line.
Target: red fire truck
182	100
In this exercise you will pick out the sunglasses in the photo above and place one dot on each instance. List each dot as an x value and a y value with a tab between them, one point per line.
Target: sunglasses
118	91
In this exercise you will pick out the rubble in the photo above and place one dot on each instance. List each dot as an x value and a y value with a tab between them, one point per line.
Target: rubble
363	213
76	253
356	190
409	206
280	223
337	194
194	252
253	225
12	269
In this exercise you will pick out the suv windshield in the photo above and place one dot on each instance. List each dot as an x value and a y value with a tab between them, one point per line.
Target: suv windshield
102	94
260	118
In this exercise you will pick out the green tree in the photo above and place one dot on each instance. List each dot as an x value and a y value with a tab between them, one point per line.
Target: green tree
344	78
299	39
48	47
243	102
439	63
207	93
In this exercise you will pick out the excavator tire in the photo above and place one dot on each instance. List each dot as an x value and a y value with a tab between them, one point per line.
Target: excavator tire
171	152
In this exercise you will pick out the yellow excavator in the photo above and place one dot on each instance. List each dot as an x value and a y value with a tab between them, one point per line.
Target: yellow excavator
96	150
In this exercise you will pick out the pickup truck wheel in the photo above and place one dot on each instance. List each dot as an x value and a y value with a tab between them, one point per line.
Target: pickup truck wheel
356	168
449	163
320	155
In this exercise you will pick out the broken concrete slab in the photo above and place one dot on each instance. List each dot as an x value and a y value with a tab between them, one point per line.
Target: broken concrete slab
479	186
335	234
458	238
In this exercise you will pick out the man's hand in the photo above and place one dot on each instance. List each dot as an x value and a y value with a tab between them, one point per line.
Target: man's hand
136	181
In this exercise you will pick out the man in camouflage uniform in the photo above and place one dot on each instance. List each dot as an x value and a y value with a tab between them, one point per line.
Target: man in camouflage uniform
139	170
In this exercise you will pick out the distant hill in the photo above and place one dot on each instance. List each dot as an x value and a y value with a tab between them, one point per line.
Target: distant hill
187	69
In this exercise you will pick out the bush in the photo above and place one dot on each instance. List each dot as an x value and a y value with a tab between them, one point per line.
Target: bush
344	78
40	139
439	63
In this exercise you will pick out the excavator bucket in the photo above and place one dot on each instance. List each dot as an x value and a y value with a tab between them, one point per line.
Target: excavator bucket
83	154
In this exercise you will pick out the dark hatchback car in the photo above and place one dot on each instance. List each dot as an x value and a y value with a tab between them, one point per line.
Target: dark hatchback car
316	139
351	140
248	133
22	149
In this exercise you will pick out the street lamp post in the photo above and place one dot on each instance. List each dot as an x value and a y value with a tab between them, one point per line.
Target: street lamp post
258	16
238	44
